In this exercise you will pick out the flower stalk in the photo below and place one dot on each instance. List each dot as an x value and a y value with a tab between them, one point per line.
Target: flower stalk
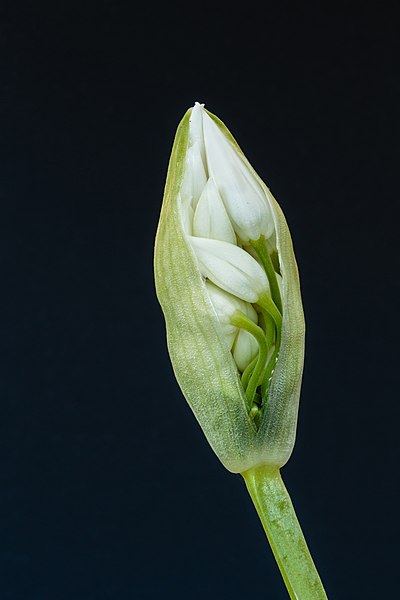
276	512
227	281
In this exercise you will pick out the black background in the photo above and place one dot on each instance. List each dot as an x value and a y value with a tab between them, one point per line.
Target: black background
108	489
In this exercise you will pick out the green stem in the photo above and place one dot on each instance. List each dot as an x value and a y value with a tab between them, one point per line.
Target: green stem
239	319
268	372
266	303
247	372
269	327
284	534
260	246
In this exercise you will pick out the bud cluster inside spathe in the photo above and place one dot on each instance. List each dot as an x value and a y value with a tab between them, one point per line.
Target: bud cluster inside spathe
228	220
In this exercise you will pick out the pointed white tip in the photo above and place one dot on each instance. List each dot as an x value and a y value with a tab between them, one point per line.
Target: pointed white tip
199	104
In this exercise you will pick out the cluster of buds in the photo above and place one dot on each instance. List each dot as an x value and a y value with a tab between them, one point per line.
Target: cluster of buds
227	281
229	224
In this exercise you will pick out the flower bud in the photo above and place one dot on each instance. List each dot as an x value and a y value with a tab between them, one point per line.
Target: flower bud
231	268
210	219
243	197
245	349
225	306
196	134
249	417
195	175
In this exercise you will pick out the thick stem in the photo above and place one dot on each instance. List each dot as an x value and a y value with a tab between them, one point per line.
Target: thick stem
284	534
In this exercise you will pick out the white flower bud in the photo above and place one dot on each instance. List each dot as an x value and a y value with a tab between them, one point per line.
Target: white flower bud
196	135
230	268
244	199
210	218
195	175
244	349
225	305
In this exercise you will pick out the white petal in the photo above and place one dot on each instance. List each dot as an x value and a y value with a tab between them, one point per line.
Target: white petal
241	193
224	305
231	268
196	172
196	129
245	349
211	219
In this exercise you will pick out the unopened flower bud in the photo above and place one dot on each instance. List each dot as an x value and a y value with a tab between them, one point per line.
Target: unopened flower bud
231	268
244	393
195	175
196	134
210	219
226	306
245	349
244	199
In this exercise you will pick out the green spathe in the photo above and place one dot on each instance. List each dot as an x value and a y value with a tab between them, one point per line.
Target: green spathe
203	365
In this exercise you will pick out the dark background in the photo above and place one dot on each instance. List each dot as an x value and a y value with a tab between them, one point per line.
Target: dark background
108	489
